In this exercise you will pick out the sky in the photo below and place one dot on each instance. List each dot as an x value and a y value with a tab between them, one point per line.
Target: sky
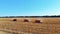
29	7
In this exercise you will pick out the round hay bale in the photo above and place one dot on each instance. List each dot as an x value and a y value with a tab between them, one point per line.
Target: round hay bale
14	19
37	21
26	20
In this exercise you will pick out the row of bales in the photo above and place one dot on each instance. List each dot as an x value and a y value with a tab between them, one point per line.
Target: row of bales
27	20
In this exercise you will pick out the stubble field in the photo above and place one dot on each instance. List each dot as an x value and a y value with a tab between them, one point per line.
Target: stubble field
47	26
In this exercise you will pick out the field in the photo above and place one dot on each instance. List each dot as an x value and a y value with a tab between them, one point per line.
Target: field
47	26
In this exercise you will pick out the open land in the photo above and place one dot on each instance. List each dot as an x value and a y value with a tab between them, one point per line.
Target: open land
47	26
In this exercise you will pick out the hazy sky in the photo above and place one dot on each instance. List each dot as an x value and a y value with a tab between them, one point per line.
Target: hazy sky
29	7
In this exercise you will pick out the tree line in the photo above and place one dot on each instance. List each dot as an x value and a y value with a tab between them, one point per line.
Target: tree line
27	16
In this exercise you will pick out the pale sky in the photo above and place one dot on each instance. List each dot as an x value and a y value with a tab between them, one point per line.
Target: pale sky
29	7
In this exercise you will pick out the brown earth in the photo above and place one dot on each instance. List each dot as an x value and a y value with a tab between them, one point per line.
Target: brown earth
47	25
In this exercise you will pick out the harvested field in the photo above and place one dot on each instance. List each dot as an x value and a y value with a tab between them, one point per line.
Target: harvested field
47	26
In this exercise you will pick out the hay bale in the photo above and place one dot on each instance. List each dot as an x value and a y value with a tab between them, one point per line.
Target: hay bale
26	20
37	21
14	19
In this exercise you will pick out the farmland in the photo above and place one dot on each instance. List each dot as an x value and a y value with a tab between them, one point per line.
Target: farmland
47	25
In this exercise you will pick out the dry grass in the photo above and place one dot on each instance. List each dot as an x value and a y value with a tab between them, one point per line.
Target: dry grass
48	25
